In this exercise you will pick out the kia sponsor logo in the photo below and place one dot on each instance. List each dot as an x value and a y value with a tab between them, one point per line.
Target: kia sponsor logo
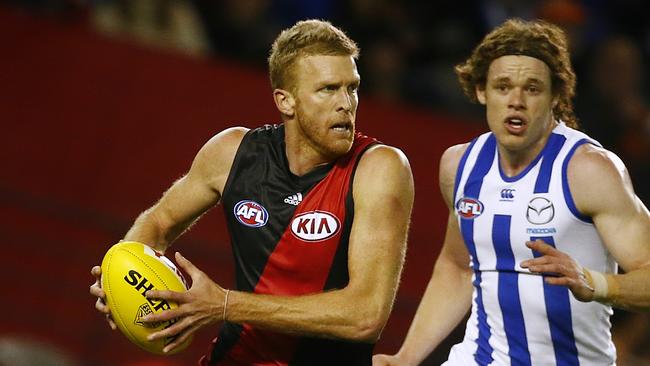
314	226
251	213
469	208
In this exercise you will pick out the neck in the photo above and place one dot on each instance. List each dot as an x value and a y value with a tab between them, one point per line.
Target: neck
301	155
514	161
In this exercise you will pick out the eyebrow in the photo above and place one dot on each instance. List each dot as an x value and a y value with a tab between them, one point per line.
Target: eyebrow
528	80
339	83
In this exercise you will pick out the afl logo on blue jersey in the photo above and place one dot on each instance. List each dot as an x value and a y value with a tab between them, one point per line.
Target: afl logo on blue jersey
251	213
469	208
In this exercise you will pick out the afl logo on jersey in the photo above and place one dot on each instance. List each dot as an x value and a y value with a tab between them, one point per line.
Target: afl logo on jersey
469	208
315	226
251	213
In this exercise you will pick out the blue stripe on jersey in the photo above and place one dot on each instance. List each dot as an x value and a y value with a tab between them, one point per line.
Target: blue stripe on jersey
509	300
483	163
558	311
553	147
461	165
565	183
483	355
472	189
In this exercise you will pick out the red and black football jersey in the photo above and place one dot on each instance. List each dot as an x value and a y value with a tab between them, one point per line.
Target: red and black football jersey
289	237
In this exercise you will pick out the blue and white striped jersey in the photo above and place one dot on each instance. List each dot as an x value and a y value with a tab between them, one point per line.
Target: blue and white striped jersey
516	318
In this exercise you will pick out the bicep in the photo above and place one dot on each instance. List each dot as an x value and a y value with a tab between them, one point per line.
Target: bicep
625	230
383	199
622	220
200	189
184	201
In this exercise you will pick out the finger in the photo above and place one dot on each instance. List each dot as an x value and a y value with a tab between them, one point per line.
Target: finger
560	281
180	339
177	297
102	307
537	261
97	291
176	328
111	323
553	269
188	266
96	271
164	315
541	247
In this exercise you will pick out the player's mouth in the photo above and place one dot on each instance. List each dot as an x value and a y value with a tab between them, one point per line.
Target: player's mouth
516	124
342	127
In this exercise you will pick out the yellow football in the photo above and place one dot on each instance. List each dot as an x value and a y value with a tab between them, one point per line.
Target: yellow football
129	270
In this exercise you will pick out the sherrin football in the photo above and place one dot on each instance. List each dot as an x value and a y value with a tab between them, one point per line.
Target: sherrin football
129	270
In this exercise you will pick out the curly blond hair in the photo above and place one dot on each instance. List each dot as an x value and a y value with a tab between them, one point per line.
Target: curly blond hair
539	39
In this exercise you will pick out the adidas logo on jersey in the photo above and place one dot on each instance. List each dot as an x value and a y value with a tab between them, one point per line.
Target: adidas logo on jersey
294	199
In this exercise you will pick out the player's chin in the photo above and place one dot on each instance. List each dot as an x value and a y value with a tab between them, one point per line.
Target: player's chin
514	143
339	147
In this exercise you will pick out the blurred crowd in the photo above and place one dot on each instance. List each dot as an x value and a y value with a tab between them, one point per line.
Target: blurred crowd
408	50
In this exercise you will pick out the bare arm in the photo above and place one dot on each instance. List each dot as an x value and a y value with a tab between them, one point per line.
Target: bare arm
190	196
186	200
621	218
623	223
383	196
438	314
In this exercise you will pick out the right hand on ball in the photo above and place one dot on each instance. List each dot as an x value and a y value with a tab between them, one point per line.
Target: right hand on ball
96	290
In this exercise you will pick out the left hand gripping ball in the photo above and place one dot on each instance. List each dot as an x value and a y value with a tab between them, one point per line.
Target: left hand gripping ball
129	270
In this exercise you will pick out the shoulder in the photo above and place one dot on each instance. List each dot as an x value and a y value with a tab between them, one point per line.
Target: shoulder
214	160
591	164
383	168
226	140
449	162
379	154
222	144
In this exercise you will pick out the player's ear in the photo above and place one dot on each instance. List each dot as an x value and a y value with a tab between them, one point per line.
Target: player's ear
284	101
480	93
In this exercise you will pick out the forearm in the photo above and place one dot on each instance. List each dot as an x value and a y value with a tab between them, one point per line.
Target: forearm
336	314
149	229
438	313
630	291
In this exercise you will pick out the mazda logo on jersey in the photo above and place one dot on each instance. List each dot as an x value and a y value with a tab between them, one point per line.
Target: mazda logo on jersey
469	208
251	213
540	211
315	226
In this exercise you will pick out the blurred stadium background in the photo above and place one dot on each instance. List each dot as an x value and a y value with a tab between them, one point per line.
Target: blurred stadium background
104	103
